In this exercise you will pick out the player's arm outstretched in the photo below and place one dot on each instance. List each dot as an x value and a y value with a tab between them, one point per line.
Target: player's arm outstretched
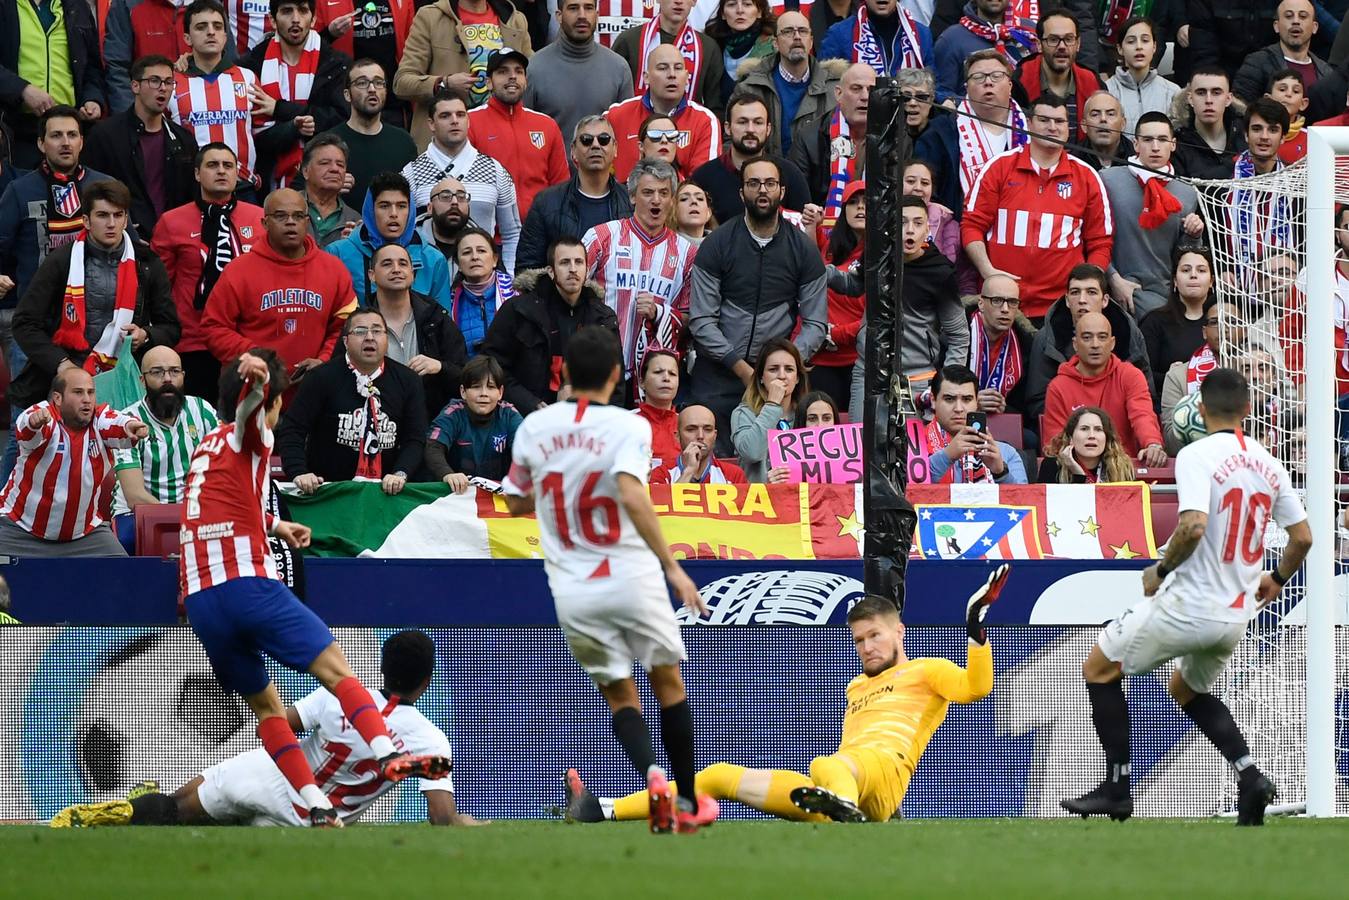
1189	532
1299	542
633	494
440	810
975	681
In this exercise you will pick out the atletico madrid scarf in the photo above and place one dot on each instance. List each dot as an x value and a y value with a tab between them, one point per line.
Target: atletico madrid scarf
686	42
976	147
220	243
1202	362
998	35
1261	220
369	459
1159	204
70	334
842	165
866	49
972	467
281	81
64	203
998	366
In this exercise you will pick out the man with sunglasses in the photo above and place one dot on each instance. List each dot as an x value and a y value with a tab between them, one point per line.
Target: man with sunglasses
142	148
589	198
374	145
1056	69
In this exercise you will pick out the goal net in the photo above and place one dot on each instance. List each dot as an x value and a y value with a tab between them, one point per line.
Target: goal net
1282	310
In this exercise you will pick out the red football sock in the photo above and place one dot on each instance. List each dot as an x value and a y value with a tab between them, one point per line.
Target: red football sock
360	709
284	748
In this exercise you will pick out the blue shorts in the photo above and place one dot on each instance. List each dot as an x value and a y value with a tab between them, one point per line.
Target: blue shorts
243	618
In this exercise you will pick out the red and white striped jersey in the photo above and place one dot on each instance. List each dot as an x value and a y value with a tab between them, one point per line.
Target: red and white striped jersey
59	489
225	522
617	16
249	20
1038	223
627	262
217	108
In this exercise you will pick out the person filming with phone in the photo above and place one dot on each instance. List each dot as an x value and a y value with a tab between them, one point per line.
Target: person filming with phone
960	449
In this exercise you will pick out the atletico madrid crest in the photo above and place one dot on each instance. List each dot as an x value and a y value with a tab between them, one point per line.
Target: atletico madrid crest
71	314
246	232
290	326
536	138
1065	189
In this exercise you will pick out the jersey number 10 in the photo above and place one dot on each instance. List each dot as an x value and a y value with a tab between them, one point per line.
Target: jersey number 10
588	505
1256	516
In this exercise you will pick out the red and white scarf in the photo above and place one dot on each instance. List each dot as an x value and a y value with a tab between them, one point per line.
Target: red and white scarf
282	81
686	42
998	366
866	49
1201	363
972	467
977	147
70	334
369	457
1159	204
842	166
1000	34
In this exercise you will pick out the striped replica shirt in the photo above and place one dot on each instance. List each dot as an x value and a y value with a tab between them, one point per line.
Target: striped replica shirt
217	108
249	20
621	256
164	455
58	490
492	203
225	521
1038	223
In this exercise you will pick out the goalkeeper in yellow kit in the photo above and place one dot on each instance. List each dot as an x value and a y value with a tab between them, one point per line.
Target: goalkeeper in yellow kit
894	707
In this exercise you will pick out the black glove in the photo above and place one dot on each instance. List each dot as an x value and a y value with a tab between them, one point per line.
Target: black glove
979	602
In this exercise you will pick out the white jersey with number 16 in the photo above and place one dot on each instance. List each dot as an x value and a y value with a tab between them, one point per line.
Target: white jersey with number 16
1240	486
569	456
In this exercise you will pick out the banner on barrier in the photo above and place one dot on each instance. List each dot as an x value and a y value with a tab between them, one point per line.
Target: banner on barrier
713	521
1033	521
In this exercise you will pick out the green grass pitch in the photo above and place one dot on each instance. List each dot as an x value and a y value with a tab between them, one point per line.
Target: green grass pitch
989	858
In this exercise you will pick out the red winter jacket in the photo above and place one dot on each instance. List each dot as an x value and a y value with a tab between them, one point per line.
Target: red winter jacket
846	313
1121	390
1085	84
293	306
664	434
528	143
177	243
157	27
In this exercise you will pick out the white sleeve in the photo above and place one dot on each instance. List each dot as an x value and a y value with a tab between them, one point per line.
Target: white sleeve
633	454
1192	480
437	745
1288	509
310	708
519	481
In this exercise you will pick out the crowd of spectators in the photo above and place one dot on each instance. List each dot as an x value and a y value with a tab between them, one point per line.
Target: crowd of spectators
417	204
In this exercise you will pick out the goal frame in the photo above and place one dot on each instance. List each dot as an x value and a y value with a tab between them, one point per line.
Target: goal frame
1320	602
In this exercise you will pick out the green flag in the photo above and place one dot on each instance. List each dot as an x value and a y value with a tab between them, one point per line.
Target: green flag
120	386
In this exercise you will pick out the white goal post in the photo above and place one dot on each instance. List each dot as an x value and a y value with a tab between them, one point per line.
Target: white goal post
1324	144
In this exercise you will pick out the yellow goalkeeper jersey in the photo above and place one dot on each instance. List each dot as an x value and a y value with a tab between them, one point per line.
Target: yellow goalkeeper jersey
898	710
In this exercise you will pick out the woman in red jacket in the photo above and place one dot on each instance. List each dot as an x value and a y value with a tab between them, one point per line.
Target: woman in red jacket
659	375
831	367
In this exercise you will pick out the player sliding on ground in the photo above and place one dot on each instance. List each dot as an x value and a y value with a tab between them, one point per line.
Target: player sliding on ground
894	707
1199	597
247	789
584	464
237	605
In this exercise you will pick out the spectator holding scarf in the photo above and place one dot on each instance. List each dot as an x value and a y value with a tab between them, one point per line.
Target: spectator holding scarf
986	24
881	34
829	149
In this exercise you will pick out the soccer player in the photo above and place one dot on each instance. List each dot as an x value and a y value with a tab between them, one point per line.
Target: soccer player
1199	597
894	707
584	465
238	607
248	789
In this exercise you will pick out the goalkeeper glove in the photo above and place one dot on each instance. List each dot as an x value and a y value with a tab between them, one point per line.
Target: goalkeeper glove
979	602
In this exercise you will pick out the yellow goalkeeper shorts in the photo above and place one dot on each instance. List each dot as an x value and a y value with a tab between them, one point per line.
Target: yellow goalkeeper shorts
882	780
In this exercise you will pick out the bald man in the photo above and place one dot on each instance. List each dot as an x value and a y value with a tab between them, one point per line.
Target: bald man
156	471
699	129
696	429
815	150
286	295
1000	340
705	62
1096	377
447	216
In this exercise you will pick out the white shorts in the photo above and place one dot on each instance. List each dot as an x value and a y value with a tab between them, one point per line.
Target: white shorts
1154	632
607	630
247	789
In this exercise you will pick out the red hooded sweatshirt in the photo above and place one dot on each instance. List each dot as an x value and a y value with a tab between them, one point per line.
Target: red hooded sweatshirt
1120	390
293	306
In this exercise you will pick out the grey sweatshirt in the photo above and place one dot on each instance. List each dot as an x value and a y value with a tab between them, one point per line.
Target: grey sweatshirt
1142	254
569	82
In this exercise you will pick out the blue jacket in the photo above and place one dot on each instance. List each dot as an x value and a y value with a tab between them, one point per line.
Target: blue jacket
430	272
955	44
481	449
838	44
939	147
23	229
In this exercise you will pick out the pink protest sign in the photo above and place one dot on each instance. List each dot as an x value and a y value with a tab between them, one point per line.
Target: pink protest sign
828	455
